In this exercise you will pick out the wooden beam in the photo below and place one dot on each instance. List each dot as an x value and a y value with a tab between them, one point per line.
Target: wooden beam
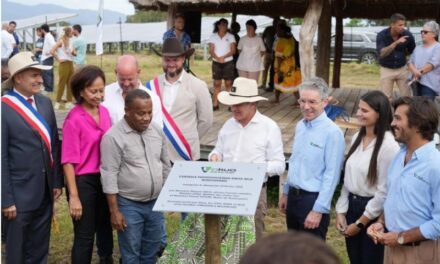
336	83
323	47
172	10
306	34
212	239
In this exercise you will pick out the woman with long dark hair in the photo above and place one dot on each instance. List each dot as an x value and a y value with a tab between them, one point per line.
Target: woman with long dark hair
364	190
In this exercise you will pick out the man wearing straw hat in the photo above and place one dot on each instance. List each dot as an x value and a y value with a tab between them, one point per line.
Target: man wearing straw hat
250	137
31	175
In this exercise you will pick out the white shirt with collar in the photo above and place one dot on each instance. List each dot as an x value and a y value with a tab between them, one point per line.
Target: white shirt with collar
169	92
259	141
7	45
25	98
115	103
49	42
222	45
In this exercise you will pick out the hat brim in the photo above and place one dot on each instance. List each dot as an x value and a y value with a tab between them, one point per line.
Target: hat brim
188	53
226	99
8	83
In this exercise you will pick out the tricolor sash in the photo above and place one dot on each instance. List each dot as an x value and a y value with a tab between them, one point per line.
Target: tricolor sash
170	127
31	116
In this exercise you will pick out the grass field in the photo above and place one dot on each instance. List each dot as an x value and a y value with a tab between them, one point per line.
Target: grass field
353	75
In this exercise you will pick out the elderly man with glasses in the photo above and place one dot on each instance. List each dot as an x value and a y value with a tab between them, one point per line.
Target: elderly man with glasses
425	61
315	164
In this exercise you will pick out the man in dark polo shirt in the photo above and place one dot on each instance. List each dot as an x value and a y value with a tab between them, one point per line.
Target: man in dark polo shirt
393	44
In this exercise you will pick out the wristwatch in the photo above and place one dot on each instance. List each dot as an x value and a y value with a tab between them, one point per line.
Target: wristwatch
422	72
359	224
400	239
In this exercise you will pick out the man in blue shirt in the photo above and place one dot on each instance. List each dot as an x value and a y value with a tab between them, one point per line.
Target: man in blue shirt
177	31
412	205
80	46
393	44
315	164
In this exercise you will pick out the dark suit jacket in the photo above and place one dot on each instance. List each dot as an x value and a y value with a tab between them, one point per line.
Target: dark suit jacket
26	169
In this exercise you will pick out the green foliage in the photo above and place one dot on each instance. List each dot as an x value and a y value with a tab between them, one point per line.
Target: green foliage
354	22
296	21
147	16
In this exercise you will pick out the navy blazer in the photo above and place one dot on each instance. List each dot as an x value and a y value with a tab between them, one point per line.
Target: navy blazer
26	166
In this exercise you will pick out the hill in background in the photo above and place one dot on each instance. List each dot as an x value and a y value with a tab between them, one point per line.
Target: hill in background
15	11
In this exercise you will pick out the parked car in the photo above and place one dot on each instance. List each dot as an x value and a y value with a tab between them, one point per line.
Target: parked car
357	46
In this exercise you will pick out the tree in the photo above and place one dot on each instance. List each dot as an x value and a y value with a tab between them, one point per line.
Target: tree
147	16
354	22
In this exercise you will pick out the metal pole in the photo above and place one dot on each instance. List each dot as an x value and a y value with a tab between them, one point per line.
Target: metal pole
120	36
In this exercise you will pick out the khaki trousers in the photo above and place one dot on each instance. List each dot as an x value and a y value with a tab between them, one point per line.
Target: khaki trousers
65	71
390	76
428	252
260	214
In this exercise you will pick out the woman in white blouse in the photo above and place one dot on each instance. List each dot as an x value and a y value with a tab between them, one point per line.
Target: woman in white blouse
251	48
364	190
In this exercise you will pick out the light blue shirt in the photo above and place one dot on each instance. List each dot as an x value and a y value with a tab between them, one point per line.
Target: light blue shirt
315	164
80	45
413	198
431	55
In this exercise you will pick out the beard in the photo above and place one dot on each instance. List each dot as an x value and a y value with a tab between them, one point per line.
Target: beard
173	74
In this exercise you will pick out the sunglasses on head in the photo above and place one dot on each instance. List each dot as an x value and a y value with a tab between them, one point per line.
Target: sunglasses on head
424	32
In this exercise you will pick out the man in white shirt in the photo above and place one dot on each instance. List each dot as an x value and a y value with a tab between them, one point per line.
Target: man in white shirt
7	46
47	58
250	137
127	74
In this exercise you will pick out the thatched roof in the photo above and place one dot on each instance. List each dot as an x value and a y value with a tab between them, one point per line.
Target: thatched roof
372	9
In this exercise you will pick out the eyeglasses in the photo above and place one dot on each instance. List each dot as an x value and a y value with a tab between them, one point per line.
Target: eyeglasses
425	31
310	102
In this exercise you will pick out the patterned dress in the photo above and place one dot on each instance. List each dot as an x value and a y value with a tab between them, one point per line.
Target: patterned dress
188	244
287	68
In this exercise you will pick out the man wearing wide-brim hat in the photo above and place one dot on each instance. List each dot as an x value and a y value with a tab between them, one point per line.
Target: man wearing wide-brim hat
186	105
31	175
250	137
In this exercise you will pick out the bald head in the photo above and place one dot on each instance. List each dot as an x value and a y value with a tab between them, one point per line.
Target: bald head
127	73
5	26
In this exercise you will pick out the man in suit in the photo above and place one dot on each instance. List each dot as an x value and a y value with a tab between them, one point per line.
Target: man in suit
187	107
31	175
186	99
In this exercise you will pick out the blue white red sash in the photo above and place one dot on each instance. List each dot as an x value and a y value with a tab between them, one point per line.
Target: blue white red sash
31	116
170	127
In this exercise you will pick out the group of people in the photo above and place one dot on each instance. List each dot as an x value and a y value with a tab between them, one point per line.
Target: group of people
418	76
120	141
10	40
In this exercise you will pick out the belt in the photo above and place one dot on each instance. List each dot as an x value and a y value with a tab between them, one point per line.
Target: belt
412	244
298	191
358	197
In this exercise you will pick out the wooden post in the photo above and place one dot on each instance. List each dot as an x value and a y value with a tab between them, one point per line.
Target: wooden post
234	18
306	34
323	47
336	83
212	239
172	10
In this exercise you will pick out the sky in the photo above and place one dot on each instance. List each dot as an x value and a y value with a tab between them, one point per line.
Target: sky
122	6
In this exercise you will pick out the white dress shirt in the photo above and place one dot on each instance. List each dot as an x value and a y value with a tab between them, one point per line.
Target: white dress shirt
356	172
169	92
115	103
26	98
258	142
48	44
7	45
